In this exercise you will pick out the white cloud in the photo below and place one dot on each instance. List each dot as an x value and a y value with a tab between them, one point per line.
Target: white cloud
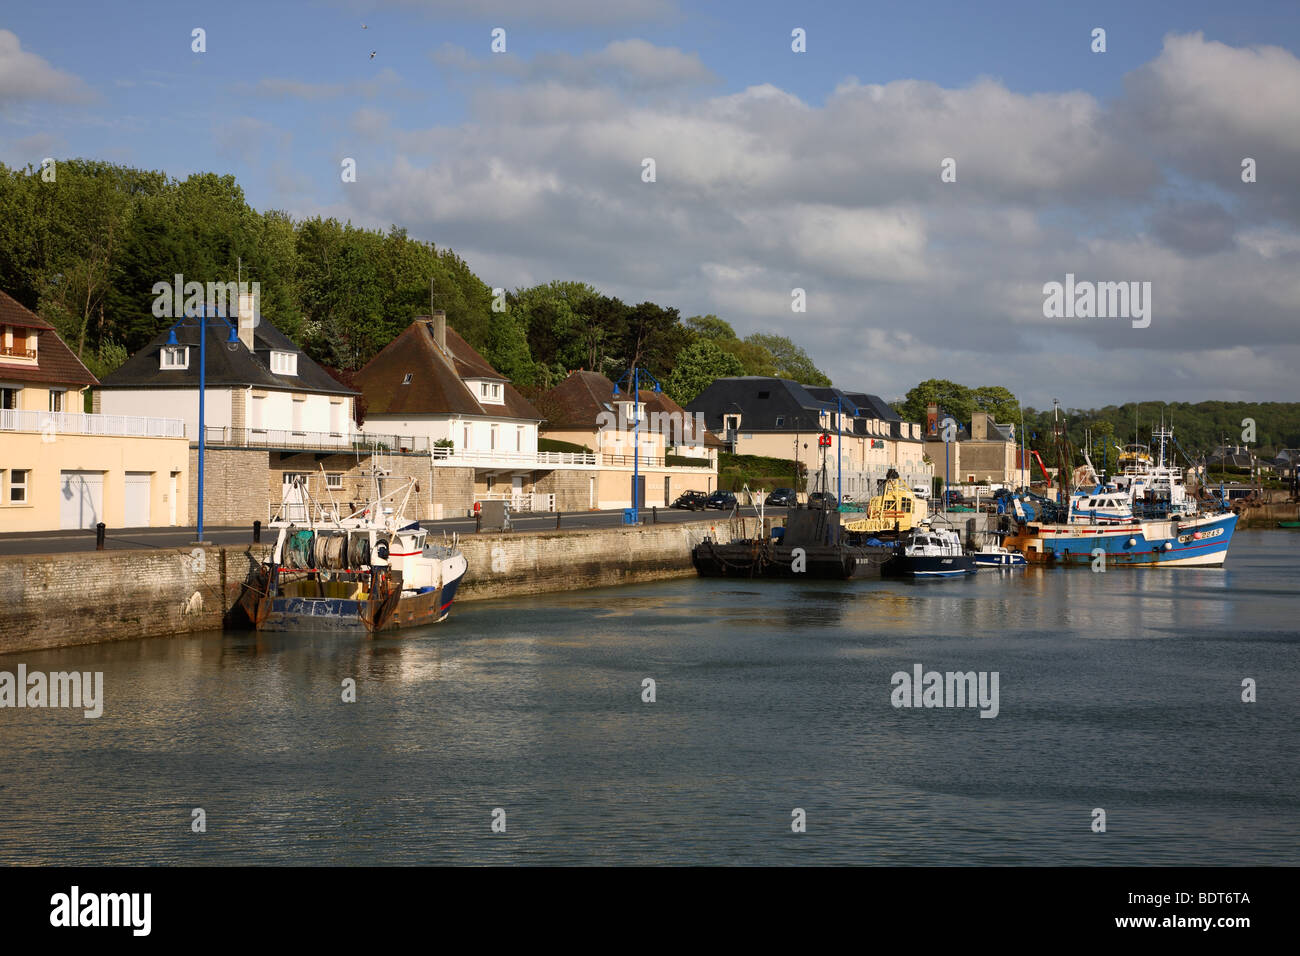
907	277
24	76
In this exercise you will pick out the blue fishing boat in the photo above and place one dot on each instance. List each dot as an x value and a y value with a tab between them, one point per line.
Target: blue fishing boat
1143	516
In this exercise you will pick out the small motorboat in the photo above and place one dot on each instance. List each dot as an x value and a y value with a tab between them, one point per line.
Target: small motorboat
996	556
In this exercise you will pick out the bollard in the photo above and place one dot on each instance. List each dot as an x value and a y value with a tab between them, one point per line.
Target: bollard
257	532
654	514
99	536
557	521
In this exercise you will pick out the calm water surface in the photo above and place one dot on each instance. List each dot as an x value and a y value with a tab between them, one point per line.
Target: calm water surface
1119	690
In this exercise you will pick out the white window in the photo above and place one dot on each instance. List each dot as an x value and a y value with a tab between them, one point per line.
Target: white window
334	480
284	363
495	429
490	392
56	399
18	486
465	446
175	356
519	438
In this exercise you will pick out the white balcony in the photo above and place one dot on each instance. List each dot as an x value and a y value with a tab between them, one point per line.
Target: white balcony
81	423
513	459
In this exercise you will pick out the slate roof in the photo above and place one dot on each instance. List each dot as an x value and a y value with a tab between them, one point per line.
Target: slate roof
761	400
55	362
577	402
226	364
437	384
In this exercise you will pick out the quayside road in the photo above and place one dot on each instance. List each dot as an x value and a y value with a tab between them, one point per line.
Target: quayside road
53	542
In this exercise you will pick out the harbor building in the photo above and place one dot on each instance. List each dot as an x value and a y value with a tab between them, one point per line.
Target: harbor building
779	418
983	452
64	468
666	447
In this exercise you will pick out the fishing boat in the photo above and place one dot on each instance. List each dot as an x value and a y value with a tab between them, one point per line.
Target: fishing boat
1142	517
1288	524
372	570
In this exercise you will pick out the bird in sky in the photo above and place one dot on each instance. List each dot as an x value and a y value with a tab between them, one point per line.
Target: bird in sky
372	54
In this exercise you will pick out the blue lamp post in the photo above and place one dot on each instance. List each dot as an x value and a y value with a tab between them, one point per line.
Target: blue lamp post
232	339
634	374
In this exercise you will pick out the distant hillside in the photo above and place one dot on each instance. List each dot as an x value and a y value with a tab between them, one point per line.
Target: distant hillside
1199	427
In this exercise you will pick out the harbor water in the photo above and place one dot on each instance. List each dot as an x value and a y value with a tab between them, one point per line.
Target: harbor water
1119	692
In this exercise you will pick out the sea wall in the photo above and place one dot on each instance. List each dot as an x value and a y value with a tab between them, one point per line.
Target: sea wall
54	600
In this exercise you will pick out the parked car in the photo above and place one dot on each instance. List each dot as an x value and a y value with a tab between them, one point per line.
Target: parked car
692	501
921	490
953	497
724	500
820	499
780	498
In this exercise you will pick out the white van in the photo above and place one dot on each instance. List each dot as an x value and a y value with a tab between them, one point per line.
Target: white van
921	490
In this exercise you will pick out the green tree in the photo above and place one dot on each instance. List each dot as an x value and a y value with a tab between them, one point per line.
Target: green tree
955	400
791	361
695	368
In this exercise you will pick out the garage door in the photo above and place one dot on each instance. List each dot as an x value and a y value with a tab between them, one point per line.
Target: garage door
137	499
81	498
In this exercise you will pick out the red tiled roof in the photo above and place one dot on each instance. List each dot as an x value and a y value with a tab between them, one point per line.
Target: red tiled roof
436	386
55	363
577	402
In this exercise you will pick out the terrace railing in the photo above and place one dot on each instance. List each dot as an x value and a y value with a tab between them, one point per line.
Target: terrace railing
335	441
82	423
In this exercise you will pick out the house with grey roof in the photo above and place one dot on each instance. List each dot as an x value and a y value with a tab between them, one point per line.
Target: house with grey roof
780	418
260	389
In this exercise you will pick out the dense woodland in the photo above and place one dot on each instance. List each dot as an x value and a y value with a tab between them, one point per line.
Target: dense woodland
85	250
1199	428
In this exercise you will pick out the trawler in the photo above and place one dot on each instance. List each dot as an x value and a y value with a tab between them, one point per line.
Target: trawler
1143	516
371	570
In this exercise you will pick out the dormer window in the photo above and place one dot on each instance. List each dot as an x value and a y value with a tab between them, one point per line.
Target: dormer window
174	357
284	363
489	393
407	379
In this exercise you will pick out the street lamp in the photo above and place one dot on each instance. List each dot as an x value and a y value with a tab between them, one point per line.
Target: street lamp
634	374
232	339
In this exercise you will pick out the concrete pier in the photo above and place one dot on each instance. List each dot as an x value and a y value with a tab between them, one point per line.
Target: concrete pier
55	600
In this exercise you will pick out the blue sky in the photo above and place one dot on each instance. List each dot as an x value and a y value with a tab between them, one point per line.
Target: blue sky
777	169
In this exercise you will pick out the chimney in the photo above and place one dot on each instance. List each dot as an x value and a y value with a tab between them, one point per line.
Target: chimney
247	318
440	328
979	426
932	418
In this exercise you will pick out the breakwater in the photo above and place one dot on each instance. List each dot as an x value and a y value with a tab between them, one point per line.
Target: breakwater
56	600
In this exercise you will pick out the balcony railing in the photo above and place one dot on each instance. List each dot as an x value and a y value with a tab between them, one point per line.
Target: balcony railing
496	457
275	438
14	351
80	423
647	461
